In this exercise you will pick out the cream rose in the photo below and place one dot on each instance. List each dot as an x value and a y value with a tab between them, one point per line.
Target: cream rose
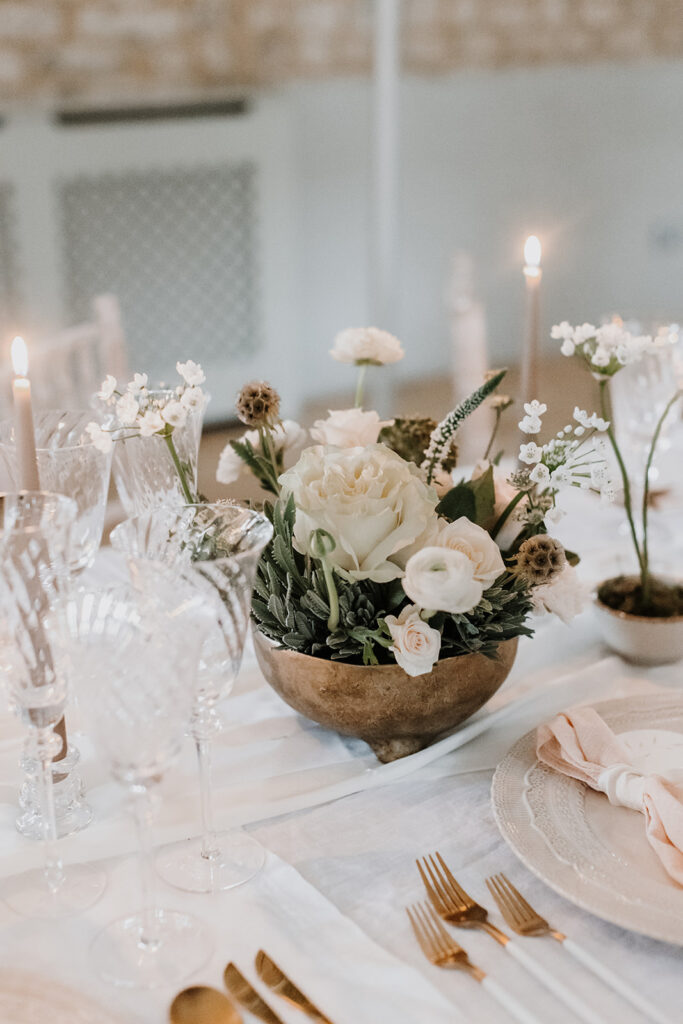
504	492
366	345
442	580
349	428
416	644
370	500
464	535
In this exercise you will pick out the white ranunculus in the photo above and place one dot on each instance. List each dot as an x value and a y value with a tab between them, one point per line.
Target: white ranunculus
441	579
349	428
464	535
366	345
565	596
191	373
504	492
290	439
370	500
416	644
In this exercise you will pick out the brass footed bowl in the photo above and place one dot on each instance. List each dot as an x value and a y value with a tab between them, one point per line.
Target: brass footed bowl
395	713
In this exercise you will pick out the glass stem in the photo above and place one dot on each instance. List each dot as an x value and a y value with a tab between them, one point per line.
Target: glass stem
362	370
149	936
179	469
54	869
209	844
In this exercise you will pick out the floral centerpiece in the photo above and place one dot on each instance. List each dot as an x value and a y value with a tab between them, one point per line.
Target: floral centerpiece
379	556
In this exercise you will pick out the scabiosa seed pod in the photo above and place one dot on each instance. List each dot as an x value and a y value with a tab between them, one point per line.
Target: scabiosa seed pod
540	559
258	404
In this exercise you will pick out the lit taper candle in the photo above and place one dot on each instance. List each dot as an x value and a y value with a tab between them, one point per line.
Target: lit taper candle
530	351
27	463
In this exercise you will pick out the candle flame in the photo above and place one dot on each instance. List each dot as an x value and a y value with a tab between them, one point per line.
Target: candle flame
19	357
532	251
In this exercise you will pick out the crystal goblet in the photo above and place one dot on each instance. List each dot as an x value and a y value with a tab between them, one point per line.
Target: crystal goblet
217	548
35	552
132	649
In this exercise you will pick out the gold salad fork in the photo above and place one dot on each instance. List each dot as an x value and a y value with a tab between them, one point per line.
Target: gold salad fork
524	920
454	905
443	951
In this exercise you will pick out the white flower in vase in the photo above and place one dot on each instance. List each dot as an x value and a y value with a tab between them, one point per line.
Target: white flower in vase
107	389
151	422
349	428
191	373
101	439
138	384
366	345
416	644
127	409
192	398
174	413
442	579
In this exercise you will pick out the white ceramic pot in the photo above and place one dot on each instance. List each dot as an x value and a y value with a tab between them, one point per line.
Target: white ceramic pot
640	638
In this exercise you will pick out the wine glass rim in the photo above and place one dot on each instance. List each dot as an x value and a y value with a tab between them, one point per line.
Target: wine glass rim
62	502
87	442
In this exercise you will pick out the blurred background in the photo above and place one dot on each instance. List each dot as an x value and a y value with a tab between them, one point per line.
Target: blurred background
247	177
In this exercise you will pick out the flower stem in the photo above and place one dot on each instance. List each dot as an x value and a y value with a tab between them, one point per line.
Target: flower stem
362	369
492	438
645	564
502	518
269	453
607	415
168	438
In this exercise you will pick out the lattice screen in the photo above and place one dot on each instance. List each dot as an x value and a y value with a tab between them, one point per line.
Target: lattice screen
9	271
178	248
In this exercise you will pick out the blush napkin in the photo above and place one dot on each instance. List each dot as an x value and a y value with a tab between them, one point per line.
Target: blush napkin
580	744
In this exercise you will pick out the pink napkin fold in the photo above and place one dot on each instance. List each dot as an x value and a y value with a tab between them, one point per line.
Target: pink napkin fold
580	744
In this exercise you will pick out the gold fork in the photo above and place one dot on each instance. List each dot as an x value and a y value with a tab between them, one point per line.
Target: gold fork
524	920
443	951
454	905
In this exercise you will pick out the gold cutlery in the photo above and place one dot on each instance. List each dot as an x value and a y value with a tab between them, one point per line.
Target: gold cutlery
454	905
443	951
524	920
238	987
203	1005
276	979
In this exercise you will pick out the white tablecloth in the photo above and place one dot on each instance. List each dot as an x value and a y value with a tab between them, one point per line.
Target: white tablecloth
344	833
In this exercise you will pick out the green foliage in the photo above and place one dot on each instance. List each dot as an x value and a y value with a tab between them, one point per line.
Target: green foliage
443	434
472	498
291	606
260	466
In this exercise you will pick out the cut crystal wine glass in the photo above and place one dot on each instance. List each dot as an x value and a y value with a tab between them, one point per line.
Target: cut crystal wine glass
35	552
133	648
217	548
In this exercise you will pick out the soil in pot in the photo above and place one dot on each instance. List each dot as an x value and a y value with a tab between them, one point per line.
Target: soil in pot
625	594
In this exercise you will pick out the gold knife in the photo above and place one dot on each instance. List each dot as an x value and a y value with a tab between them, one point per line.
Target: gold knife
276	979
238	986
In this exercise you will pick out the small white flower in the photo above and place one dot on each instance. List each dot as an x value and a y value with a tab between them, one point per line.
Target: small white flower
560	477
540	475
416	644
192	398
561	332
535	408
107	388
530	425
601	357
530	453
579	431
191	372
567	348
599	475
366	345
151	423
174	414
138	383
599	424
583	333
582	417
100	438
127	409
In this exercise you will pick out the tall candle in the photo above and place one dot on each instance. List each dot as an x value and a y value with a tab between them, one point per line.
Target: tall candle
27	463
530	352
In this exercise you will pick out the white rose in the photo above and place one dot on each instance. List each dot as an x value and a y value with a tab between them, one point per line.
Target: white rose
366	345
290	440
349	428
504	492
416	644
484	554
370	500
191	373
565	596
442	580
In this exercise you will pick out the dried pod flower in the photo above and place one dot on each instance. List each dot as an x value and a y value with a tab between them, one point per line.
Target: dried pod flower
257	404
410	437
540	559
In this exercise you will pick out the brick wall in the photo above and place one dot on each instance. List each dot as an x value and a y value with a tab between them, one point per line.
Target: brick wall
92	51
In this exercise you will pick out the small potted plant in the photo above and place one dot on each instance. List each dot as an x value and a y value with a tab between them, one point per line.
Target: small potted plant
390	601
640	614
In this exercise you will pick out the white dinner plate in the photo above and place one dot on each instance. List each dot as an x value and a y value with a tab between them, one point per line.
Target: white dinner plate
26	998
594	854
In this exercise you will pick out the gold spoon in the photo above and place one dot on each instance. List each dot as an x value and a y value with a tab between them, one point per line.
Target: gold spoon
203	1005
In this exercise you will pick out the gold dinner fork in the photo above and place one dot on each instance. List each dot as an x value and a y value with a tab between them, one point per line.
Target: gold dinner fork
524	920
443	951
454	905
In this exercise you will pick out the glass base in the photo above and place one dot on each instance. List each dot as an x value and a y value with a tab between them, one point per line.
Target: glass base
238	858
72	811
28	894
182	945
